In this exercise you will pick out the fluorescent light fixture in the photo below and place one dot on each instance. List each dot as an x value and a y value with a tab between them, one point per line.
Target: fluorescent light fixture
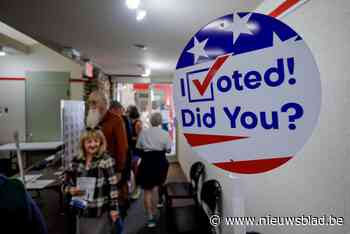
141	14
157	65
146	73
132	4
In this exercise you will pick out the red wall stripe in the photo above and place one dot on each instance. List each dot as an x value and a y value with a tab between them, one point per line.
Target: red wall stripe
283	7
23	78
12	78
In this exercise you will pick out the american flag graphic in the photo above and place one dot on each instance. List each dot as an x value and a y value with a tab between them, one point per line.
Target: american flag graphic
233	34
232	43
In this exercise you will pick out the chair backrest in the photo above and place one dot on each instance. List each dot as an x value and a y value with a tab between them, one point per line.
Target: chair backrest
196	171
211	194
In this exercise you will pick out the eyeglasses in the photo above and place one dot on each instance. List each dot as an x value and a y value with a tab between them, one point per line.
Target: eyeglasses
93	129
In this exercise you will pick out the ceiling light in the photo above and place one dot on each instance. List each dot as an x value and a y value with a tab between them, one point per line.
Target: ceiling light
132	4
157	65
146	73
141	14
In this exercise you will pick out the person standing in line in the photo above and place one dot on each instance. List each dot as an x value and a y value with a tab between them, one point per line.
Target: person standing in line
118	109
99	189
153	142
114	130
164	110
136	128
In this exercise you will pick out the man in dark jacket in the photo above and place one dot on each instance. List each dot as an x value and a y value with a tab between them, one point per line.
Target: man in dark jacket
18	212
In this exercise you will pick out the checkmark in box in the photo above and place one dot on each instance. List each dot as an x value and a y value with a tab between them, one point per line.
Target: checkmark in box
194	95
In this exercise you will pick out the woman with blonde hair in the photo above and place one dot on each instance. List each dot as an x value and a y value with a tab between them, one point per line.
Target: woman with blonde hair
92	177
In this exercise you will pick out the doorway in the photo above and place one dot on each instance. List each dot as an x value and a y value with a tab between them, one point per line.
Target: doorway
149	98
44	92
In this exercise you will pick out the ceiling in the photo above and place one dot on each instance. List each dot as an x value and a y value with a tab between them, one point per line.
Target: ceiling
106	30
10	32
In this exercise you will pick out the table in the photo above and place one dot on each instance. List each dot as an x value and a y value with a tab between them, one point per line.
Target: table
33	146
47	173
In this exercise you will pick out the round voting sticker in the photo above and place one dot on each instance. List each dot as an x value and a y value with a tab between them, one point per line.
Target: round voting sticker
248	92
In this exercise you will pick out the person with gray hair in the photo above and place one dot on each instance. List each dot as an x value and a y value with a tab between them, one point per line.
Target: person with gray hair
156	119
153	142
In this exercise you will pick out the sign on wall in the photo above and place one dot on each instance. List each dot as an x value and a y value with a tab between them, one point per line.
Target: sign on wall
248	92
72	125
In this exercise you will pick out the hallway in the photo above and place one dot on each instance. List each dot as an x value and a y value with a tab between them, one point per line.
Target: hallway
134	222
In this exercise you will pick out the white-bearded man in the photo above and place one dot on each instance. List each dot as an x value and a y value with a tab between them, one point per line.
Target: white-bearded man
114	130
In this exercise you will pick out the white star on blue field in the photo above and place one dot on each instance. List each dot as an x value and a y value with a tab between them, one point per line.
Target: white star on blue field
198	49
234	33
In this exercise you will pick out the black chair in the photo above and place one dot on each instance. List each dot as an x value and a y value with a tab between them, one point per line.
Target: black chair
184	190
211	195
190	218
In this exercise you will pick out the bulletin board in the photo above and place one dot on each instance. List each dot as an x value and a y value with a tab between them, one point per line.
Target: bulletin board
72	117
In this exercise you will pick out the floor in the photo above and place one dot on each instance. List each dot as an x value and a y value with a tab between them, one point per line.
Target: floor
134	222
136	219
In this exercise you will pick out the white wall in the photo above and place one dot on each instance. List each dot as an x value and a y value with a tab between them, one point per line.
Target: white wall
41	58
317	181
77	90
12	92
231	185
268	5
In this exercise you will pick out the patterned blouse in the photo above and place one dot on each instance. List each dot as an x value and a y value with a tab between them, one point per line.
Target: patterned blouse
105	193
